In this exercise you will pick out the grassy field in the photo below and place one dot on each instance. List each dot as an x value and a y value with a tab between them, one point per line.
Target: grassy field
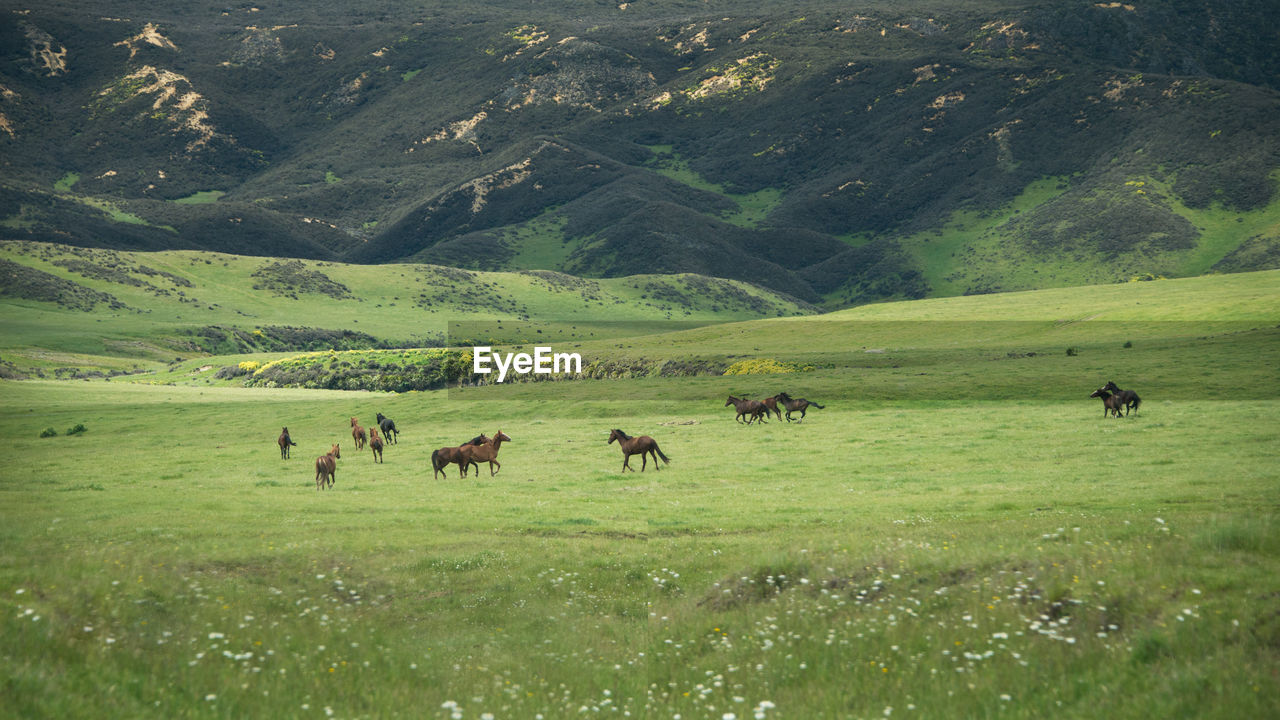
958	533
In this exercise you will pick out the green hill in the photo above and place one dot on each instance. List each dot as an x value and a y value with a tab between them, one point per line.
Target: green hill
899	150
70	307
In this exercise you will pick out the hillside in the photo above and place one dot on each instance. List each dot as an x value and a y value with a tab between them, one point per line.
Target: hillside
841	156
67	308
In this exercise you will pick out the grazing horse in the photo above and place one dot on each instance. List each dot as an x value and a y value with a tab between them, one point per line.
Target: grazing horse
284	441
357	434
642	446
754	408
794	404
771	404
327	468
441	458
388	427
375	444
1128	397
486	451
1111	404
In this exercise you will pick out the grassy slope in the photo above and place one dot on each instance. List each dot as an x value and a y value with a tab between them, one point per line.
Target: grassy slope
383	302
911	546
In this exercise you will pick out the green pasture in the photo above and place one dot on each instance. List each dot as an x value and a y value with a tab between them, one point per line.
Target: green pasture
958	533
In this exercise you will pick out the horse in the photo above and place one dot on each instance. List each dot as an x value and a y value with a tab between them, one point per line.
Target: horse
357	434
327	468
375	444
754	408
642	446
1110	403
284	441
1128	397
771	404
388	427
441	458
794	404
485	452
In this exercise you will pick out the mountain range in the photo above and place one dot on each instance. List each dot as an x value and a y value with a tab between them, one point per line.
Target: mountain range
837	153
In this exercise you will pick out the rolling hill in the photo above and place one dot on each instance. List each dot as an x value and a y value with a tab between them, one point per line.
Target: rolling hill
73	309
837	155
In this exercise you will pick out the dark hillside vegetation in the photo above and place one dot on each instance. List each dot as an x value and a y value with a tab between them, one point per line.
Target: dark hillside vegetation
845	154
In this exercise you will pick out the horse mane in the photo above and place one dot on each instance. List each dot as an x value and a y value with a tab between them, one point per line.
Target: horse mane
621	434
477	440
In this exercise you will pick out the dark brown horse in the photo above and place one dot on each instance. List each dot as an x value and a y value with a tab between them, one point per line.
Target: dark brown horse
285	442
1111	404
375	444
327	468
752	408
794	404
441	458
486	451
357	434
1128	397
388	427
642	446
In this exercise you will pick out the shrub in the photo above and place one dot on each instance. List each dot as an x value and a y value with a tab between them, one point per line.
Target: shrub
760	366
249	365
79	428
48	432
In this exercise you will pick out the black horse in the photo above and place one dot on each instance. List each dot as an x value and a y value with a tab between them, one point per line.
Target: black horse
388	427
1111	404
794	404
1128	397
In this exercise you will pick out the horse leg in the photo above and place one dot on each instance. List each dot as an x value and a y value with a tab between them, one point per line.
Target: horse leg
492	472
644	460
626	462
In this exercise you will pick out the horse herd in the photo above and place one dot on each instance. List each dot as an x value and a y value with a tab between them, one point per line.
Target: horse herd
754	410
484	448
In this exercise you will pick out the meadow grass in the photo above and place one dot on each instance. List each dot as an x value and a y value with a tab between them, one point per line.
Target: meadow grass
971	541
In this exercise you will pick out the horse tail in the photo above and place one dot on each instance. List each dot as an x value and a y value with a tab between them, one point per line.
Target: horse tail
816	405
1136	402
658	450
435	459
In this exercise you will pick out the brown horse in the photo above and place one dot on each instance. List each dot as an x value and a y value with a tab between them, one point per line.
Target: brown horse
644	446
1111	404
285	442
357	434
771	404
441	458
794	404
327	468
375	444
754	408
486	452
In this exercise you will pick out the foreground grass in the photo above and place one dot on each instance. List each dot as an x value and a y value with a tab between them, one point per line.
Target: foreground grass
937	557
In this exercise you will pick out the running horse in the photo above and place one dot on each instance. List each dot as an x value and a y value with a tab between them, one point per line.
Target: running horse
486	452
285	442
375	444
745	407
644	446
441	458
327	468
357	434
388	427
794	404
